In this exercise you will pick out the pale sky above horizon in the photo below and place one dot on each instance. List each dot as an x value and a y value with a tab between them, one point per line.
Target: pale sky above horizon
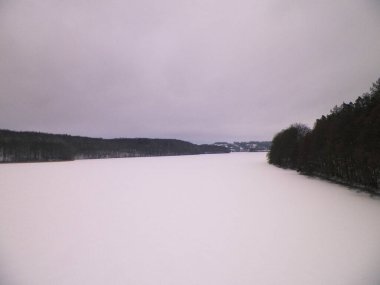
198	70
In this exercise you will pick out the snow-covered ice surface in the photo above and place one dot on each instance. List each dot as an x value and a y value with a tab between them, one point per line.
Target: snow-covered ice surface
209	219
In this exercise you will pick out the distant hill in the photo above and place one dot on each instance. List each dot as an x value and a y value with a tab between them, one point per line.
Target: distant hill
251	146
35	146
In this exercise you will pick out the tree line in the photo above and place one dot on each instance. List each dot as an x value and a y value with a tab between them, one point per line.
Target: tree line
35	146
343	146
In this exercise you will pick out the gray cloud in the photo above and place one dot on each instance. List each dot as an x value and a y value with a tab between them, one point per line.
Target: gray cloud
197	70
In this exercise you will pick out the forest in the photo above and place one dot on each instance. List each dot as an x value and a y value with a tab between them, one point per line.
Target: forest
343	146
35	146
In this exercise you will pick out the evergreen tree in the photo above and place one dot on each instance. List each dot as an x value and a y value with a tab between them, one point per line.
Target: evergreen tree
342	146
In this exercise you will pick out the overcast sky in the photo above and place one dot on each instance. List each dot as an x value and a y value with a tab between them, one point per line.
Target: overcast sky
199	70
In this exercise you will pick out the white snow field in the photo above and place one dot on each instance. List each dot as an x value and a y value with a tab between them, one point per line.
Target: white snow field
202	220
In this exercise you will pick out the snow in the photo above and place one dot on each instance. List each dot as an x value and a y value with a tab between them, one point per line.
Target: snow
207	219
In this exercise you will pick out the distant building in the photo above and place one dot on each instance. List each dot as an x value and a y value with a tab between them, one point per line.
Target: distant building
252	146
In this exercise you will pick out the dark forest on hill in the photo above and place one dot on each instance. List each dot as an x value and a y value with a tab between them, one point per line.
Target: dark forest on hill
343	146
34	146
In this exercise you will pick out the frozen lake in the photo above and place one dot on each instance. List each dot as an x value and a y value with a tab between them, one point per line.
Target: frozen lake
227	219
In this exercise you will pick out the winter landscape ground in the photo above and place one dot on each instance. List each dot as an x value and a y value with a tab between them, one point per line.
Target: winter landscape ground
226	219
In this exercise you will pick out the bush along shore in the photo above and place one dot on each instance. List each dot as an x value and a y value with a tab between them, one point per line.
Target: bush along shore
343	146
35	146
